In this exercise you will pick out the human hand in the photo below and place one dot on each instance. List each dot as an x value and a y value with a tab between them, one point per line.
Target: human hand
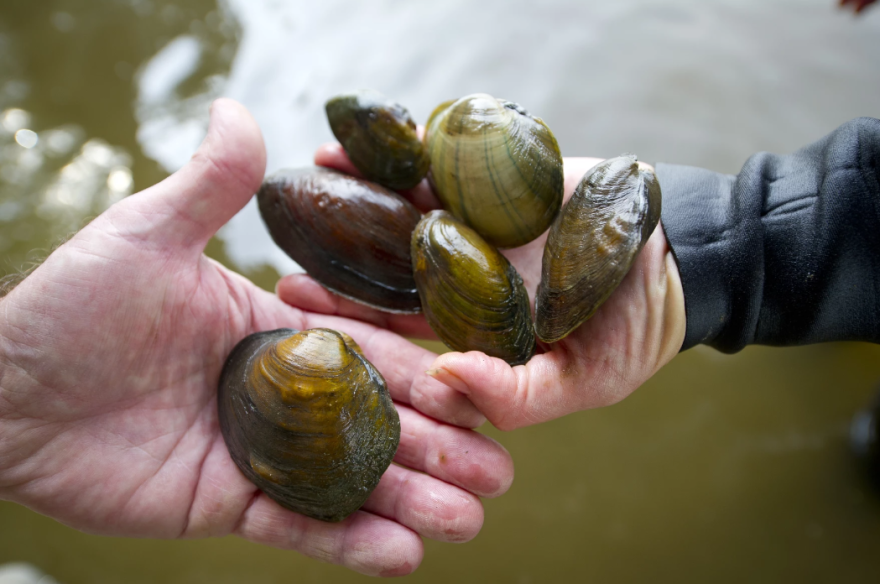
856	5
637	331
110	354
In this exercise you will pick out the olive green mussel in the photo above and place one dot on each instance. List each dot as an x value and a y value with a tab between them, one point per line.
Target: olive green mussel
308	419
495	167
349	234
379	137
594	242
472	297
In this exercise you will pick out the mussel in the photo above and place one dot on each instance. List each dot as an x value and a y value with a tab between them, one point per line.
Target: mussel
379	137
307	419
495	167
351	235
593	243
471	296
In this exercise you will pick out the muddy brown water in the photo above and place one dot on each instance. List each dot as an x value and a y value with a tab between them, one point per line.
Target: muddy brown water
721	468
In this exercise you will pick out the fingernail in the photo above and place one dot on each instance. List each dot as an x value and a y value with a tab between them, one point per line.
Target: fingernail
449	378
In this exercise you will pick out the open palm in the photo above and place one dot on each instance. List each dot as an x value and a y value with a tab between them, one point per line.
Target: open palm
110	354
637	331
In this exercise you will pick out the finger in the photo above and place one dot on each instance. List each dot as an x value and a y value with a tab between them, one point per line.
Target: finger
429	507
510	397
462	457
549	386
637	331
188	208
363	542
332	155
301	291
403	366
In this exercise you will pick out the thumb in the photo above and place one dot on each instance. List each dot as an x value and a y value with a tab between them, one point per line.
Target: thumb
188	208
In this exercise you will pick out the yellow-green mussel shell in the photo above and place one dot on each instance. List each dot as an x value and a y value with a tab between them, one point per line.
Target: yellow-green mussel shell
495	167
308	419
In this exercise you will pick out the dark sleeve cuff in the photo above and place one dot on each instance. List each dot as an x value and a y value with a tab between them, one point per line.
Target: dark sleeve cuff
787	252
708	235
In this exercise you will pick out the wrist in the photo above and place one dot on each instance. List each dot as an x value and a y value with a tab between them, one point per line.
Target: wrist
668	320
675	317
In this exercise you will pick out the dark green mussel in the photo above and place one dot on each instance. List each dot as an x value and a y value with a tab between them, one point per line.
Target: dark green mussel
593	243
472	297
380	138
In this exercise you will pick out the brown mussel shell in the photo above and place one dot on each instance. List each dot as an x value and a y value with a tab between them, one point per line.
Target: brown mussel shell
594	242
351	235
472	297
379	137
495	167
308	420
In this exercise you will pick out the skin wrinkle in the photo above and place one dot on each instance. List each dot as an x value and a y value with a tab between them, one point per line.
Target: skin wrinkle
414	394
89	252
420	454
38	459
206	516
239	527
399	508
197	470
241	303
524	393
29	450
141	241
328	548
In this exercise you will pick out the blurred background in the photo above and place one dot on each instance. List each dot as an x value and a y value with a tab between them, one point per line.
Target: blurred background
721	468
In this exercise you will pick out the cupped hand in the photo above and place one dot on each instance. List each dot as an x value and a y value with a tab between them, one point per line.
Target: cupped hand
637	331
110	353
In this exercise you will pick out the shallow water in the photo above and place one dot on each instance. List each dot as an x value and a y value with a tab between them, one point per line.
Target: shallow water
721	468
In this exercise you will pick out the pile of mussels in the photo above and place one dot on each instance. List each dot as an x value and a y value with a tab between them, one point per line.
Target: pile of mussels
306	417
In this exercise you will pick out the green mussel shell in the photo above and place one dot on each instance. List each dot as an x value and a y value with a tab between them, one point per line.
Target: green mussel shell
593	243
351	235
379	137
495	167
471	296
308	420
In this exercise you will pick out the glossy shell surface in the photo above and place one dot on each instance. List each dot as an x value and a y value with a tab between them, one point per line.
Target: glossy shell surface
471	296
495	167
380	138
308	420
594	242
351	235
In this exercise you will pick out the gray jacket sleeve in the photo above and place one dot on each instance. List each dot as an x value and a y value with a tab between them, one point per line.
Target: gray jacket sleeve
787	252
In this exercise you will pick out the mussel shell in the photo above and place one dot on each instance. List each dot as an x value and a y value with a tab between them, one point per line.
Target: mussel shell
495	167
308	420
379	137
593	243
472	297
351	235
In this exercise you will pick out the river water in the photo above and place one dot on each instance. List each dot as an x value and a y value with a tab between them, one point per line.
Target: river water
721	468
